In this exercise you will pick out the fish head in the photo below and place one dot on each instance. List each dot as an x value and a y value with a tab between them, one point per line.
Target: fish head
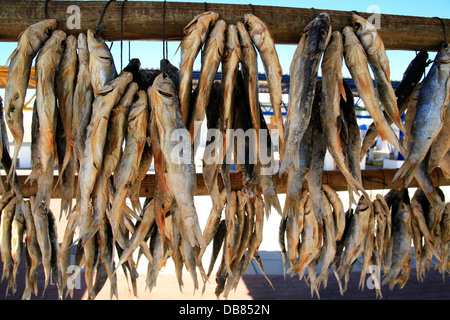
364	30
163	90
83	53
353	50
336	40
232	43
139	105
70	50
35	34
319	30
56	44
204	20
42	30
121	82
71	41
335	48
256	28
363	204
443	57
97	46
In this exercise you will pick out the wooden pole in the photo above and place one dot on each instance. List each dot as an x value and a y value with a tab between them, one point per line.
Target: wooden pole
143	21
372	180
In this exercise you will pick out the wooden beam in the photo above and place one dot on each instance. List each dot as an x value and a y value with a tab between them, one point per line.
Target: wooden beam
144	21
372	179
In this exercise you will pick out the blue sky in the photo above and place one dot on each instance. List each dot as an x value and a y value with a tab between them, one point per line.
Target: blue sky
150	52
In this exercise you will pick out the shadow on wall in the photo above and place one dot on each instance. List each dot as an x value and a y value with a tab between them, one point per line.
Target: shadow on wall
51	292
291	288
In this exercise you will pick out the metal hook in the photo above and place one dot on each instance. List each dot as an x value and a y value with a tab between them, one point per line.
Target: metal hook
121	34
46	9
164	37
315	12
445	44
98	28
206	6
253	8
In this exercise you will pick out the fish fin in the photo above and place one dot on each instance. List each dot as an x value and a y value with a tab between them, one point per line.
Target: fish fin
13	54
342	90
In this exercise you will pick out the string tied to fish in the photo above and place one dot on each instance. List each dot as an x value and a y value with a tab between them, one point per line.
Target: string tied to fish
253	8
46	9
121	36
99	28
445	43
165	49
314	12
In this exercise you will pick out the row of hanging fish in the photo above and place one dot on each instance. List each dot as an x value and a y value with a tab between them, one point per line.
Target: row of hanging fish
380	234
106	129
321	117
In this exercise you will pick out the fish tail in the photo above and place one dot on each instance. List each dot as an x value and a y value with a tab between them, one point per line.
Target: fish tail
66	208
290	160
272	201
194	233
116	211
89	232
33	176
12	170
407	170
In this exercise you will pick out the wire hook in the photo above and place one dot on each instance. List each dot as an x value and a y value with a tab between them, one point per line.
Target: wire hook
121	34
98	28
252	7
206	6
445	44
46	9
314	12
163	67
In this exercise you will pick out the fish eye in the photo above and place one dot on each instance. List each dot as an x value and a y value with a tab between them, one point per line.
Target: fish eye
48	31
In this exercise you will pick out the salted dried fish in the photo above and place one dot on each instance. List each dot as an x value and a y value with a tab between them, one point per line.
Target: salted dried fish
106	99
180	172
5	241
83	97
101	62
355	238
401	238
211	58
303	73
432	103
332	90
379	63
410	80
129	162
47	63
29	43
265	44
65	88
196	33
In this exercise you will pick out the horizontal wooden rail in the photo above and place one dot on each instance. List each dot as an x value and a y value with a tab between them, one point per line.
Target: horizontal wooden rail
144	21
372	179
